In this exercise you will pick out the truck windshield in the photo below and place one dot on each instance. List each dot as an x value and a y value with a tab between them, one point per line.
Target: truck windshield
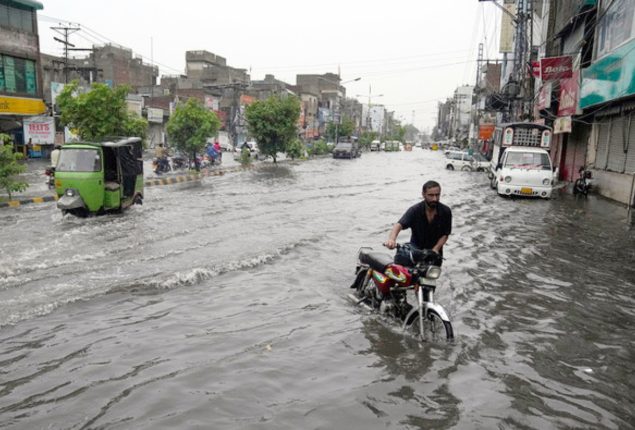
344	145
527	160
79	160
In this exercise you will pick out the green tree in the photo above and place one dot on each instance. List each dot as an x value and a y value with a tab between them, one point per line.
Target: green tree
99	113
273	123
10	167
296	149
191	125
345	129
366	138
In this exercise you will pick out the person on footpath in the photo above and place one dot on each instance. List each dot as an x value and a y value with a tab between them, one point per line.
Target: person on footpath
55	155
429	220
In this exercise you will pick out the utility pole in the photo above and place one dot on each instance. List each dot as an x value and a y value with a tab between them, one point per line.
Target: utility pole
65	32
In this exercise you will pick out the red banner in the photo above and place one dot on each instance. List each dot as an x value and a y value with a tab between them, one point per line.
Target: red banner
556	68
535	69
569	95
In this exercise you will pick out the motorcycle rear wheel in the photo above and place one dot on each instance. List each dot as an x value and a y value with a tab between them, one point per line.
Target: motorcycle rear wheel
434	328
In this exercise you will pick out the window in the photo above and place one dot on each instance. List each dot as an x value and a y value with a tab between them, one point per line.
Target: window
17	75
17	17
615	26
79	160
527	160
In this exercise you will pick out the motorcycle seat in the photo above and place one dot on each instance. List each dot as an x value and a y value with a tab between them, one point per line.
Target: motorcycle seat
375	259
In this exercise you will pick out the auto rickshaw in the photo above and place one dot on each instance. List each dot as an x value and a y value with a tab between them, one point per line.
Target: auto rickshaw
93	178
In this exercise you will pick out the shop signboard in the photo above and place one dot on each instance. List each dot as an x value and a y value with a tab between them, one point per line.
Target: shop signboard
544	96
562	125
212	103
21	106
569	94
609	78
554	68
486	131
39	130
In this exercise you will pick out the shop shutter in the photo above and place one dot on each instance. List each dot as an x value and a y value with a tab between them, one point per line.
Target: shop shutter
616	156
630	155
603	145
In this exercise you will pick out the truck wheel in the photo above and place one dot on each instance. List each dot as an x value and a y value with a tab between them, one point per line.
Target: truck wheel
449	167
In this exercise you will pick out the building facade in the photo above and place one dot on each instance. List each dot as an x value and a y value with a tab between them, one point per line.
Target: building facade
20	68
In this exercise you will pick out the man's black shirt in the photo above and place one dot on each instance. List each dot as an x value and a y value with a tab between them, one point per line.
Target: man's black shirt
425	235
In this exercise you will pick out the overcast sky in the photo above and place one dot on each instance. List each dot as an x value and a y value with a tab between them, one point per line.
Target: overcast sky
413	52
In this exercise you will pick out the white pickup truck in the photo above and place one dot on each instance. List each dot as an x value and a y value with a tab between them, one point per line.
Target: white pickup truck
521	164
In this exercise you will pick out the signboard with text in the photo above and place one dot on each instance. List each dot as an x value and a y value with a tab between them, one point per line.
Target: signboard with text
554	68
39	130
569	95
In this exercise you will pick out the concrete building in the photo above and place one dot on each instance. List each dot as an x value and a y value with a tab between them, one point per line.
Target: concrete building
21	93
607	99
461	114
374	118
110	64
211	69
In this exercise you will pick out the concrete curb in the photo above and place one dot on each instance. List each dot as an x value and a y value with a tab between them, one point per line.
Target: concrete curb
148	183
179	179
27	201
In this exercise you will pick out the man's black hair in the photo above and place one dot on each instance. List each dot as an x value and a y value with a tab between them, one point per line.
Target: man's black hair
430	184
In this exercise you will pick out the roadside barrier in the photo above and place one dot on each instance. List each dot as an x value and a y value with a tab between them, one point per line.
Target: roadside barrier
26	201
148	183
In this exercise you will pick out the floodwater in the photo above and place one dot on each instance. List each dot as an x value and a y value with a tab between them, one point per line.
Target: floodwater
223	305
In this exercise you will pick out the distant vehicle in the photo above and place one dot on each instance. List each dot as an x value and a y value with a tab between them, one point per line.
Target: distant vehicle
463	160
521	164
392	146
434	146
375	145
346	150
458	160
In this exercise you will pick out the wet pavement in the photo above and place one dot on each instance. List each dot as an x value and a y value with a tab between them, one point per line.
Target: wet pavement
222	304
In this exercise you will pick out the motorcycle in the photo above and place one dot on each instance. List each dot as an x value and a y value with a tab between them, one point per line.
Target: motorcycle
50	173
179	162
161	165
383	284
582	185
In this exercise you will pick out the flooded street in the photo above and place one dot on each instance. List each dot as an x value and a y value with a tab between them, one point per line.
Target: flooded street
223	305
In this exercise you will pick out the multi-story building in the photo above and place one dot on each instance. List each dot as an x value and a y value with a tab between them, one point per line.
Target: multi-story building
607	101
20	71
110	64
461	116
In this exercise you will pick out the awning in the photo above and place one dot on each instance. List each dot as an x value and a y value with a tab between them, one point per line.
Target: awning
30	3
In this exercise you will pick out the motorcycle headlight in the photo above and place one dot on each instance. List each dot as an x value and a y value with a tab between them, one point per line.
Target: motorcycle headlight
546	181
433	272
508	179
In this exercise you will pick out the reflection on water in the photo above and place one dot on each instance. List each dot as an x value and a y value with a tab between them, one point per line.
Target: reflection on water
223	305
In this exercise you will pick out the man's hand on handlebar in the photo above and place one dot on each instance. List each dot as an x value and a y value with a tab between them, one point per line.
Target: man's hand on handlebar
390	244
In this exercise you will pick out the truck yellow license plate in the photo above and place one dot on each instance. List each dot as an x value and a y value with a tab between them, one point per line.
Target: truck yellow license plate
526	190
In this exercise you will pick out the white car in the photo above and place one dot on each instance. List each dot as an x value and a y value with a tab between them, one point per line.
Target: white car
463	160
458	160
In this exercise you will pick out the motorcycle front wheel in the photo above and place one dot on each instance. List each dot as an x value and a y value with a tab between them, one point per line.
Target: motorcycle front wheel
434	328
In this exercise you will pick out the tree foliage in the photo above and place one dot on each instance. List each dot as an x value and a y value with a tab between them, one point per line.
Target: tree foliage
296	149
366	139
319	147
10	167
99	113
273	123
346	128
191	125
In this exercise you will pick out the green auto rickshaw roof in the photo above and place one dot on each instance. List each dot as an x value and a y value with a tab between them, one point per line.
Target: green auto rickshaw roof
110	143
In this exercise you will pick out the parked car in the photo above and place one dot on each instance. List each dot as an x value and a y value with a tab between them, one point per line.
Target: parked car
346	150
375	145
458	160
480	163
